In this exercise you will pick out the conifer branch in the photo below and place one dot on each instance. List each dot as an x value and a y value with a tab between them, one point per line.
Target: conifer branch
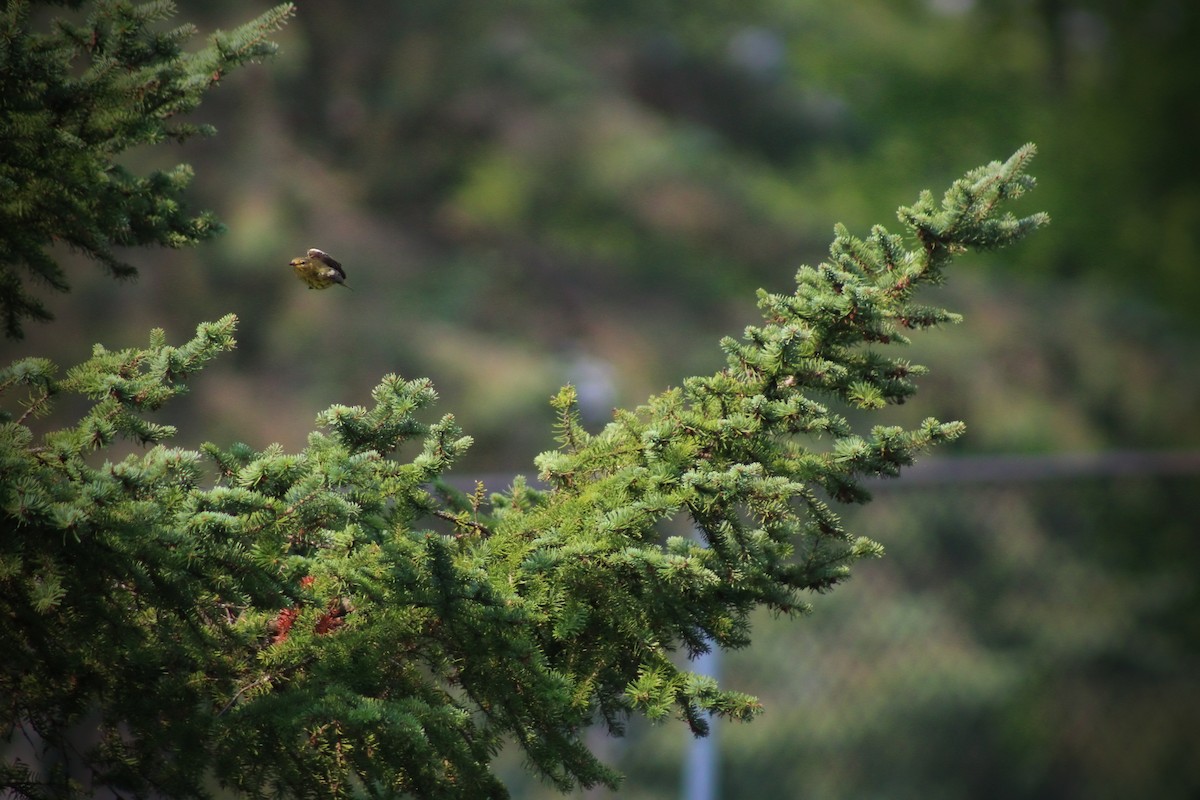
77	98
460	522
551	610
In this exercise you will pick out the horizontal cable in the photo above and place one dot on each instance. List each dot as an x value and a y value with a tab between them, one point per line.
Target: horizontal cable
1048	466
978	469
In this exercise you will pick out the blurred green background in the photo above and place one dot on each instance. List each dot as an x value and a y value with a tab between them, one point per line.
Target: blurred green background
531	193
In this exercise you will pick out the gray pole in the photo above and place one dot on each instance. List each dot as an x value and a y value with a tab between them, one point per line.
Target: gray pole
700	765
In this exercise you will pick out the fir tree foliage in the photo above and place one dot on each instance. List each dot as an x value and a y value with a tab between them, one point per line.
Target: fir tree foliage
72	100
339	622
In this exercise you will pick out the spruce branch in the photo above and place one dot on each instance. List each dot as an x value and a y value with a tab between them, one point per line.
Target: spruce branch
542	613
76	98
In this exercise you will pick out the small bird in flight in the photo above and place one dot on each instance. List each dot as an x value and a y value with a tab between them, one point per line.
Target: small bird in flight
319	270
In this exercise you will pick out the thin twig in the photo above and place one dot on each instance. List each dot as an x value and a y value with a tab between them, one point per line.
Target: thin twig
466	523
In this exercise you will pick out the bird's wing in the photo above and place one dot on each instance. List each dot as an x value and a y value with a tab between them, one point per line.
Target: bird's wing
327	260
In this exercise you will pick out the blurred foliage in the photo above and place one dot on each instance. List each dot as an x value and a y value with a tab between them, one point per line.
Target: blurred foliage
529	193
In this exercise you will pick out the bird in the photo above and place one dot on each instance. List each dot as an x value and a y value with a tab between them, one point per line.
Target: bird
319	270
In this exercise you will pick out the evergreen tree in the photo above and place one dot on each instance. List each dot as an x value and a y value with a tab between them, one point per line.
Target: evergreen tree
340	622
71	102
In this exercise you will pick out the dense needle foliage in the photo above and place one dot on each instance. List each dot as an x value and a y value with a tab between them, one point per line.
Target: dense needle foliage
72	101
338	621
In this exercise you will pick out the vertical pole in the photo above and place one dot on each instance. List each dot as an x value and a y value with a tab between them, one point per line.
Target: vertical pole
700	763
